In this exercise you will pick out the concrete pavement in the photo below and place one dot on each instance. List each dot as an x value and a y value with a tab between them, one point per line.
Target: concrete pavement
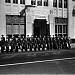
11	58
54	67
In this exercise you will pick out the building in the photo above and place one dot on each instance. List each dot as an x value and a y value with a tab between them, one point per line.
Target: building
37	17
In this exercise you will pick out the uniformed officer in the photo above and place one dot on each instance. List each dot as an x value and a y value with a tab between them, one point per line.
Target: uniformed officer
26	44
19	41
2	43
53	42
65	42
69	42
3	38
17	46
44	43
50	38
7	45
48	43
11	45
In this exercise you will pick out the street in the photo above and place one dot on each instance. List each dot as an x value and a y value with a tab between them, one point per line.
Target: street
55	67
48	62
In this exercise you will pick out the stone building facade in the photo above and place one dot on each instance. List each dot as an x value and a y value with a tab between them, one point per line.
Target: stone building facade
39	17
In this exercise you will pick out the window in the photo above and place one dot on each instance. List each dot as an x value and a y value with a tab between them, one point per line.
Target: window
45	2
60	30
60	3
33	2
61	26
22	1
65	3
7	1
73	12
54	3
64	28
39	2
55	28
15	25
15	1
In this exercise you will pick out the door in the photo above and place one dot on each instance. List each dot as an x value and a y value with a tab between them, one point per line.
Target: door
36	31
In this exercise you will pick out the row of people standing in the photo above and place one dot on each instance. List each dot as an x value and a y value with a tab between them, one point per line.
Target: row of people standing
24	44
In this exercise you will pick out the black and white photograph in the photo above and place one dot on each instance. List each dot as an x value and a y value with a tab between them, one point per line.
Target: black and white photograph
37	37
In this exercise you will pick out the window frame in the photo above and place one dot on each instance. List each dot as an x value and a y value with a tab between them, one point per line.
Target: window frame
7	1
33	2
15	1
60	4
54	3
22	1
45	2
39	1
65	3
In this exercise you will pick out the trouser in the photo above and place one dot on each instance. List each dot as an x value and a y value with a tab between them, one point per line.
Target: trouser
16	49
7	49
11	49
2	49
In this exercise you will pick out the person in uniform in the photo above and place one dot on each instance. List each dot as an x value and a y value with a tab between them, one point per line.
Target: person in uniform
69	42
2	43
17	46
3	38
26	44
53	42
65	42
11	45
47	42
7	45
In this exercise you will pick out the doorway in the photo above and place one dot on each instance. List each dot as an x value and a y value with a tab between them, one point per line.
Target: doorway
40	27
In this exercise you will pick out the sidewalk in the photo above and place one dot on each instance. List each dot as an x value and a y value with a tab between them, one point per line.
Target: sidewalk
34	53
11	58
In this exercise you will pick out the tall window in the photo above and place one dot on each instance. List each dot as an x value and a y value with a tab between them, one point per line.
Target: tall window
65	3
39	2
15	1
54	3
61	26
60	30
33	2
60	3
45	2
22	1
7	1
73	12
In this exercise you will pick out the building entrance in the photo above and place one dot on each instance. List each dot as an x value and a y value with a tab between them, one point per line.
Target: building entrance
40	27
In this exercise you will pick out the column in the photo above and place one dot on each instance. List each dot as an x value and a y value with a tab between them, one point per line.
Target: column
29	27
63	8
52	25
2	18
71	19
